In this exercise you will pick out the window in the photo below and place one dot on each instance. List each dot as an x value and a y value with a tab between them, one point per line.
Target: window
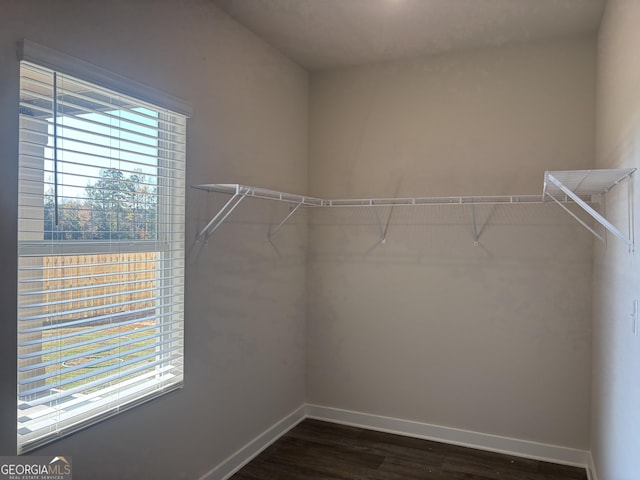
101	253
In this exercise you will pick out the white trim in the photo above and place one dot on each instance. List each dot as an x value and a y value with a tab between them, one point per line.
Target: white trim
252	449
454	436
592	473
53	59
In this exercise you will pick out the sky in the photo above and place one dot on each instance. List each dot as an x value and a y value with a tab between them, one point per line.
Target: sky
91	142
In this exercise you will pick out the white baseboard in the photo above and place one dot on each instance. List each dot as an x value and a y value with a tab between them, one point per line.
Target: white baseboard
482	441
592	473
247	453
454	436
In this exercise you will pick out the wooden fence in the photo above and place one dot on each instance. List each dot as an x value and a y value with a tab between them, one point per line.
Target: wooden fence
87	286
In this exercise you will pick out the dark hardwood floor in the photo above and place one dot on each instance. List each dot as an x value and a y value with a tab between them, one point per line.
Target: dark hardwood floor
316	450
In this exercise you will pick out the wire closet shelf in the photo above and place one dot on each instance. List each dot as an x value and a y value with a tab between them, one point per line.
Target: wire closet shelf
579	187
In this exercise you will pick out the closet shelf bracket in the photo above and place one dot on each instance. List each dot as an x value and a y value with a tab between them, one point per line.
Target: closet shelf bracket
383	229
578	184
284	220
383	236
221	216
476	236
239	193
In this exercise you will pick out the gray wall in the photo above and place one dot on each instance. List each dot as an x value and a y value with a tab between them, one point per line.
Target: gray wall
245	300
615	420
427	327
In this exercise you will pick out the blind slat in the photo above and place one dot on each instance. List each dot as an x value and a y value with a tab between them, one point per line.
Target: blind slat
77	344
74	86
47	316
95	155
141	359
105	285
80	277
90	298
95	362
70	398
89	330
100	253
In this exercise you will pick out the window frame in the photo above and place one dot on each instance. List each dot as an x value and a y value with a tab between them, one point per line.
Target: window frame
44	57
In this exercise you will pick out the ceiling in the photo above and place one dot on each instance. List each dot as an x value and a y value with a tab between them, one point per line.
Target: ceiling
320	34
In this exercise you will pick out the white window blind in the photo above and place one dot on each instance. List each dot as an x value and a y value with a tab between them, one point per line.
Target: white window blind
101	253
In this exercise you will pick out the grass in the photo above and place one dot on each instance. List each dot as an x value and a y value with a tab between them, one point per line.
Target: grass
126	333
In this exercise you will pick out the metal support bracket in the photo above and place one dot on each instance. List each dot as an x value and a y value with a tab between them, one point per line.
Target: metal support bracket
284	220
577	218
221	216
383	230
383	233
476	241
553	183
